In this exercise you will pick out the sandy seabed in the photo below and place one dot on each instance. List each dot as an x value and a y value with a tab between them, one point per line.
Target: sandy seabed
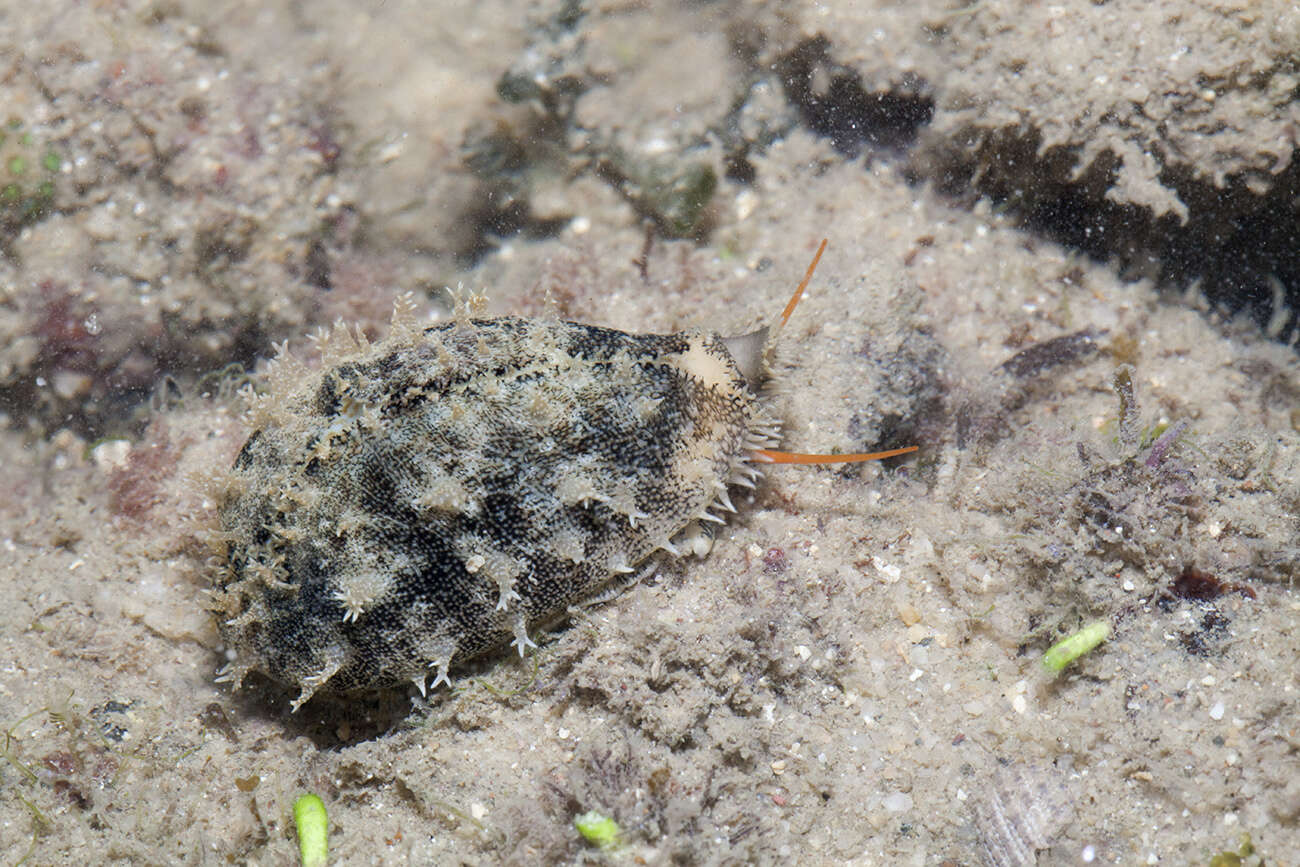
1022	202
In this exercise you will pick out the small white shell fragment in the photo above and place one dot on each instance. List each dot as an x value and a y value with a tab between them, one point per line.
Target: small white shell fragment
1020	810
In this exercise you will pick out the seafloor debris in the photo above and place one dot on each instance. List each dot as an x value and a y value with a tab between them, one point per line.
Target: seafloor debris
1021	811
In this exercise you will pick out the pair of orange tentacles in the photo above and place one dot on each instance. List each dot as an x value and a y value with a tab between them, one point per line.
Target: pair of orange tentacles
778	457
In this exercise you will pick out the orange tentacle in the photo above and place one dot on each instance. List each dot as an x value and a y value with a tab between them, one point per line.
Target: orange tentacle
807	278
776	457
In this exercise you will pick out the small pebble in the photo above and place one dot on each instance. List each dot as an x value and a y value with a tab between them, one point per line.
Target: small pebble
898	802
111	454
